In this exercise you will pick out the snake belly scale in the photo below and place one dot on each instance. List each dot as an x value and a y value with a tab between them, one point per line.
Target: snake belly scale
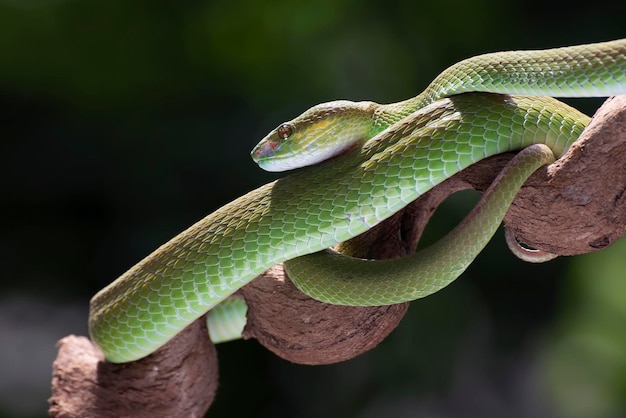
398	152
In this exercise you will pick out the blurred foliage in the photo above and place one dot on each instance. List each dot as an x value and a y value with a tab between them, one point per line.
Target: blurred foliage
124	122
585	358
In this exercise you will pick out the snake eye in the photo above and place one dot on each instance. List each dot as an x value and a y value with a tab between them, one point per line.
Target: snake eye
284	131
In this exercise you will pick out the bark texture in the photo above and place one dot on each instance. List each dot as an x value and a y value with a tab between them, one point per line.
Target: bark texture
577	205
178	380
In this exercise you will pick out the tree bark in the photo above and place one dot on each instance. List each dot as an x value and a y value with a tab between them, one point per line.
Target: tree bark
574	206
178	380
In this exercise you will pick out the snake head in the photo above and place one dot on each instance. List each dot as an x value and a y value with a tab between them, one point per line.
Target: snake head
322	132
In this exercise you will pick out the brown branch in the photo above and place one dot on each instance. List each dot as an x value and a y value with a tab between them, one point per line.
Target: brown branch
574	206
303	330
578	204
178	380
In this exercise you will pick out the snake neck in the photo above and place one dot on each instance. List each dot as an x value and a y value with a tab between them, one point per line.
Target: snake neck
386	115
593	70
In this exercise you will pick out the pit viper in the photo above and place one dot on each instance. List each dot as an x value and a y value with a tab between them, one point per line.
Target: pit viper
359	163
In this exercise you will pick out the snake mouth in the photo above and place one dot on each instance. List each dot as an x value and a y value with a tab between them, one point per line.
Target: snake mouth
273	161
274	165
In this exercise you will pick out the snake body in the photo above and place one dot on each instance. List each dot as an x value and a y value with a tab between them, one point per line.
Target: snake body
398	152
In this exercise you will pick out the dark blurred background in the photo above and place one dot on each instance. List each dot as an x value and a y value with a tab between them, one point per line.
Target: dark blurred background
124	122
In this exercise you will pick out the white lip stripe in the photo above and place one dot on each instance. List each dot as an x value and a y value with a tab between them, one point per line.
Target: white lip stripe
303	159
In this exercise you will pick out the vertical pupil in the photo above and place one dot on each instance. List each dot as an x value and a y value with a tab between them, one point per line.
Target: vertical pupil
284	131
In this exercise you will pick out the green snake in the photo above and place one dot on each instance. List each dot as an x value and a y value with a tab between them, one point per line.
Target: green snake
381	158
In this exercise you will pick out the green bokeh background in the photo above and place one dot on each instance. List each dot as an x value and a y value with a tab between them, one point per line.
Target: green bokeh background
124	122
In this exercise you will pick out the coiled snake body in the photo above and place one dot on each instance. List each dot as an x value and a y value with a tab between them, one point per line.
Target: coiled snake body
393	154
